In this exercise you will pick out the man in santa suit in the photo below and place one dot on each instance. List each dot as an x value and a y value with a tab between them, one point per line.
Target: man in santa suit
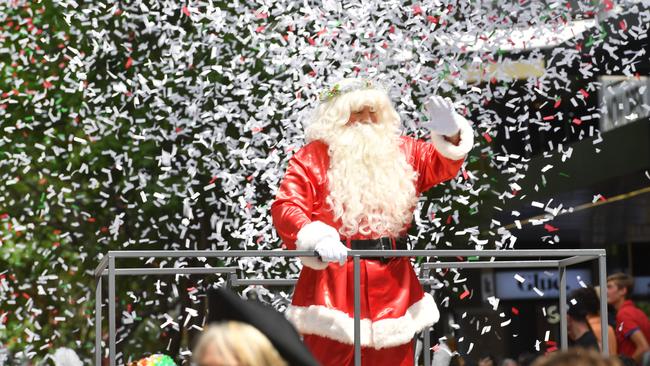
355	185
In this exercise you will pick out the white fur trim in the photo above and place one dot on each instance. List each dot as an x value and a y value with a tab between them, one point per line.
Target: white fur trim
308	236
451	151
337	325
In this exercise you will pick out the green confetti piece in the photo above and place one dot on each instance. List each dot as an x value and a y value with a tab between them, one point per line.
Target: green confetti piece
473	258
565	175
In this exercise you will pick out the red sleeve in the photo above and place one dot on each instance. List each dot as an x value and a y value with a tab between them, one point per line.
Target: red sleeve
292	208
627	323
432	167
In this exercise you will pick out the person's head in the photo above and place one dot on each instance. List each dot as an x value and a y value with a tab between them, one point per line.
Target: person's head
508	362
350	102
586	299
488	360
576	357
577	314
619	288
235	344
526	359
371	182
457	360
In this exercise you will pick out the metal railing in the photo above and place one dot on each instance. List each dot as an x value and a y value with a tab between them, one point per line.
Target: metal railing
107	267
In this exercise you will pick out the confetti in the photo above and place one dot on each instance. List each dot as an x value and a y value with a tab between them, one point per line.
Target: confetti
519	278
132	126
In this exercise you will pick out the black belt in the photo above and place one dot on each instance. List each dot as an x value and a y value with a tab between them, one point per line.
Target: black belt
384	243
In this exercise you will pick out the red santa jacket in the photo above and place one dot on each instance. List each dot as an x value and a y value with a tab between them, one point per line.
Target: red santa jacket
393	304
301	197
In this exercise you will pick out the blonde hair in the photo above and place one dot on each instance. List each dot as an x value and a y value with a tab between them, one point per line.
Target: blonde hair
371	183
238	344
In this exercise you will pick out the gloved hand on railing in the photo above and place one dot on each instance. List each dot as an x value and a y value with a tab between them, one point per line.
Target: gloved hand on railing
324	241
331	250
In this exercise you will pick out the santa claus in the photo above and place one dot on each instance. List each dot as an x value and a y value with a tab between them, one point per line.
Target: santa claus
355	186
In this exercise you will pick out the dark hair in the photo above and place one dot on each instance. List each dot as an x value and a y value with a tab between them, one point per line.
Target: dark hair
586	301
577	309
623	280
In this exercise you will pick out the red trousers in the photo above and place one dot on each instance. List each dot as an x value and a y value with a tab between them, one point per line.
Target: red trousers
332	353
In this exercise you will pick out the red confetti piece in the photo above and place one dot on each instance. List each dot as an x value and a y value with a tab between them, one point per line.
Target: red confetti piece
464	174
548	118
577	121
213	179
433	19
609	5
602	198
448	219
311	41
47	84
515	310
128	63
622	25
464	294
260	29
557	103
487	137
417	10
186	11
550	228
584	93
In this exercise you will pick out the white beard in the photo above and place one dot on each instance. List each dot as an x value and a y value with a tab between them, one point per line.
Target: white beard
372	189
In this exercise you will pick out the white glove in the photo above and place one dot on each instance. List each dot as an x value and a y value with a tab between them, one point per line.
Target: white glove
332	250
443	120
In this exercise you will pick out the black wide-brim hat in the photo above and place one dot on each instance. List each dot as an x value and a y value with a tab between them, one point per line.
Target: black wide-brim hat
224	305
